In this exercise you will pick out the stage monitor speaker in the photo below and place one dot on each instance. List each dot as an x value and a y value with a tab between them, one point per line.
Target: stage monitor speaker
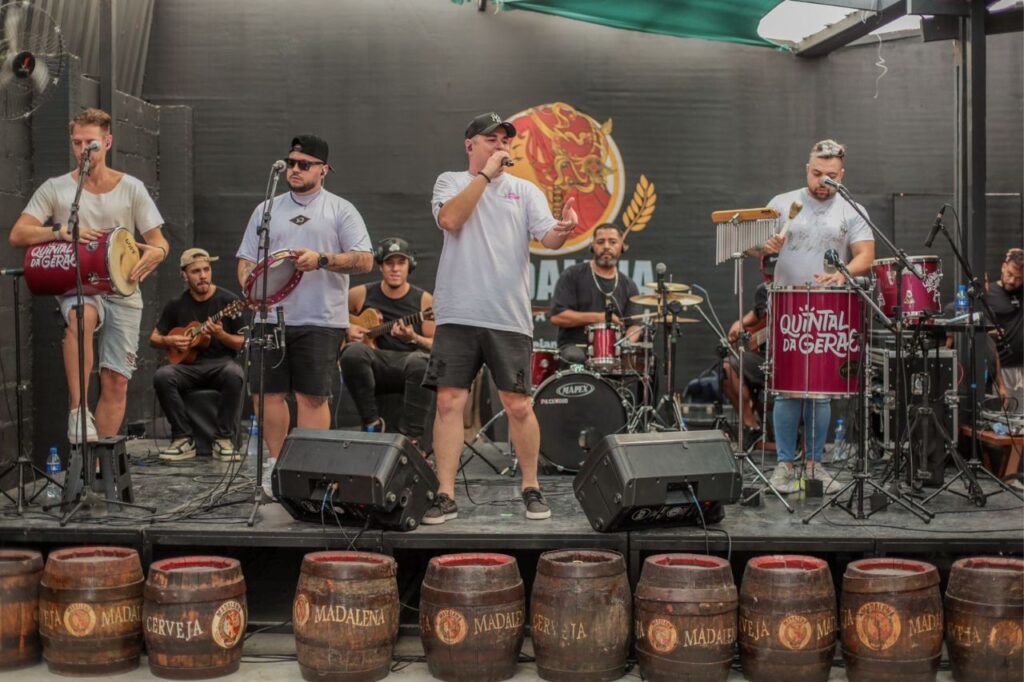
642	480
380	478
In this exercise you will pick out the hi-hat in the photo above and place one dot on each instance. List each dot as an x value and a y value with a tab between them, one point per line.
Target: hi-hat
657	318
677	287
655	299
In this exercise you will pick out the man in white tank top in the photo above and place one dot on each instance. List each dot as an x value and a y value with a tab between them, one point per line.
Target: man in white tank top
110	199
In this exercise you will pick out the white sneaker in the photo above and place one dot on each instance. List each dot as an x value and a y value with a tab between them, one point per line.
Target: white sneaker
179	449
268	468
819	473
75	427
784	479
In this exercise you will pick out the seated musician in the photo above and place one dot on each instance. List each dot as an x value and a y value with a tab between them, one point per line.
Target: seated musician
593	292
389	348
213	366
754	322
1004	298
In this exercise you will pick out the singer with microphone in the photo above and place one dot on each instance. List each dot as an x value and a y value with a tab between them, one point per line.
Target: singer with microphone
592	292
482	302
109	199
825	224
329	239
215	365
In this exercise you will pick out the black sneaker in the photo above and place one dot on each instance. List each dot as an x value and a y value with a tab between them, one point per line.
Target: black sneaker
442	510
537	508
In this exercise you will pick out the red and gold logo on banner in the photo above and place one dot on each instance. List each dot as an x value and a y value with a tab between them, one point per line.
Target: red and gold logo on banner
566	153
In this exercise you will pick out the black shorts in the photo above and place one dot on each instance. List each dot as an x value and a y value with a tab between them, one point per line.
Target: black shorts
310	363
753	374
460	350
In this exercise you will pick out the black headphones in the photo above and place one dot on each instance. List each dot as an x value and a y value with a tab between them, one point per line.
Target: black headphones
394	246
609	226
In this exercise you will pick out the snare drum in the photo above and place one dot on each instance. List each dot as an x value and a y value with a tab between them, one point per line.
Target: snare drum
282	278
919	297
543	363
603	346
814	346
572	403
105	262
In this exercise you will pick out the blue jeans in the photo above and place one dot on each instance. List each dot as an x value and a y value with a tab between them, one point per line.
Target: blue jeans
786	414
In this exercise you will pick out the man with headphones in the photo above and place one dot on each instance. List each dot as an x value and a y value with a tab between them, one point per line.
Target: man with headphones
592	292
393	360
215	365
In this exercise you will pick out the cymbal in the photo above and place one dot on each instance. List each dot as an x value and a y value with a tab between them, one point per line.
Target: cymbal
657	318
677	287
654	299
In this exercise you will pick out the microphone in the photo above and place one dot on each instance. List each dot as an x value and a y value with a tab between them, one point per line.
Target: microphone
278	166
12	272
507	162
279	332
831	260
829	182
935	227
660	269
93	146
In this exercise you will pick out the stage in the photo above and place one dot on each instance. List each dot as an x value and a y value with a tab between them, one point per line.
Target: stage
196	516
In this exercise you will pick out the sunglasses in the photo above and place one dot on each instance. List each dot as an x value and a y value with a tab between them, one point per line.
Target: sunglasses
303	165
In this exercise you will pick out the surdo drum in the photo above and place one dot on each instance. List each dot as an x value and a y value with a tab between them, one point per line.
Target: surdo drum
815	341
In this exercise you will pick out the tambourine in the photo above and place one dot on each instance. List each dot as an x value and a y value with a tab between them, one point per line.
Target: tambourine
282	278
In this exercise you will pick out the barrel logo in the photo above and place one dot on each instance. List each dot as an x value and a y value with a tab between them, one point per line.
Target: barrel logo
300	610
1006	638
662	635
450	626
228	624
79	620
795	632
878	625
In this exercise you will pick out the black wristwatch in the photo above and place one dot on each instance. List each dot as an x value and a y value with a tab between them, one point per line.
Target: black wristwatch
323	261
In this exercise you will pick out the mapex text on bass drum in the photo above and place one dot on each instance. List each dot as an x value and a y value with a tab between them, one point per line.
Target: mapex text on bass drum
572	404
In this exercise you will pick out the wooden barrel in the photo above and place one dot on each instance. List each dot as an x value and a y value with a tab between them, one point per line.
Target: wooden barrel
581	615
984	615
685	612
787	619
90	610
20	571
194	617
472	608
345	616
891	621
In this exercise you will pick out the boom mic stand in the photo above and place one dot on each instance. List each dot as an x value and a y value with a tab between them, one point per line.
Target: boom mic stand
266	340
81	463
860	474
23	463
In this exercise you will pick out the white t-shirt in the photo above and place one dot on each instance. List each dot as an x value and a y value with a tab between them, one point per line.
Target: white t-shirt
325	223
483	278
820	226
128	205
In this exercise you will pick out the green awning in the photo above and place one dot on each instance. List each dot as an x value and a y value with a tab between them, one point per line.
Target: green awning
733	21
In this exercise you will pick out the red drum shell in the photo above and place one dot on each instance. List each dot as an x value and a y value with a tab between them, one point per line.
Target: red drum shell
603	345
105	263
543	363
918	298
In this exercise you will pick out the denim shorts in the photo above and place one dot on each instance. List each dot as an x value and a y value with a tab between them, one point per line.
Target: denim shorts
118	329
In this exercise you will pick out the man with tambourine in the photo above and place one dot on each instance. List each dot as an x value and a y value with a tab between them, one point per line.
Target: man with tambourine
391	334
112	208
322	238
824	223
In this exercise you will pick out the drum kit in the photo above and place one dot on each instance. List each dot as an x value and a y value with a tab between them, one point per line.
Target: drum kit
613	390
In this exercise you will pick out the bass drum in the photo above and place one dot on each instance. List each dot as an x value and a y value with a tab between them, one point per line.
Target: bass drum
573	406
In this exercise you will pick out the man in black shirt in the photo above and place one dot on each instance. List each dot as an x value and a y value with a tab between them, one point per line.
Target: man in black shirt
592	292
390	355
214	366
1004	298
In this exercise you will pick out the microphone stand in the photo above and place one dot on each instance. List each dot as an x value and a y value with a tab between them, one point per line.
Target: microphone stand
973	466
902	263
260	496
81	463
860	474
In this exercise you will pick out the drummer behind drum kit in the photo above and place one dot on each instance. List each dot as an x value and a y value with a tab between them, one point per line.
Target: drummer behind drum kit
613	390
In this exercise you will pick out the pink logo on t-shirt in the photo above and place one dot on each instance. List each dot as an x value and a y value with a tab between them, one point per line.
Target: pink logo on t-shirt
513	196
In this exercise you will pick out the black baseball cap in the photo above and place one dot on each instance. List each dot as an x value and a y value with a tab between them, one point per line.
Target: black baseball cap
312	145
485	124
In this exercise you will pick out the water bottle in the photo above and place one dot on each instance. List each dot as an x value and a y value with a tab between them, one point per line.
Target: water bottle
254	438
962	302
53	470
839	453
